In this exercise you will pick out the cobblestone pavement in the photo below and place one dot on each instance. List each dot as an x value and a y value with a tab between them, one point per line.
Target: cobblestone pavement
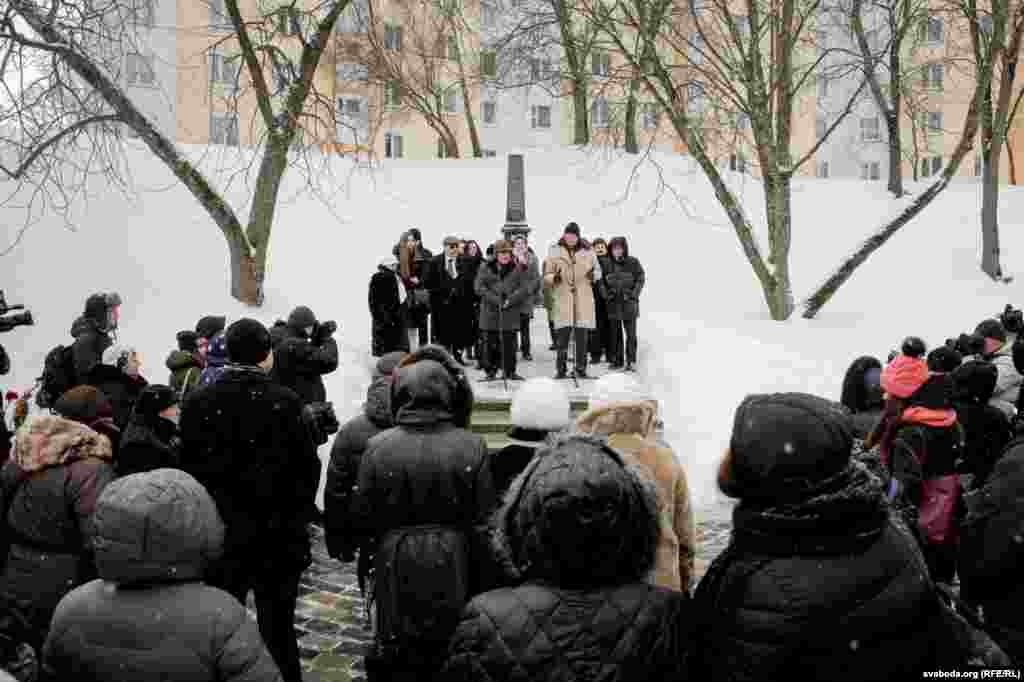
330	618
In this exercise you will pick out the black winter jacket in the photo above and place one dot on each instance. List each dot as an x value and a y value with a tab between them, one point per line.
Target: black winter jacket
991	556
299	364
987	432
121	389
832	588
497	285
244	439
147	444
426	472
388	314
343	470
90	341
620	285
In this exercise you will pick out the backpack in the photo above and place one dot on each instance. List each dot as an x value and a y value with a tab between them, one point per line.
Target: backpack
58	376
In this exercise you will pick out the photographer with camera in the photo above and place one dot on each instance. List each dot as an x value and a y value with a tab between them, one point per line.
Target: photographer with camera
7	323
304	350
244	438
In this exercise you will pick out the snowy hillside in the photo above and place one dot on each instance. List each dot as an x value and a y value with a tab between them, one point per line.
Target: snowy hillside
705	337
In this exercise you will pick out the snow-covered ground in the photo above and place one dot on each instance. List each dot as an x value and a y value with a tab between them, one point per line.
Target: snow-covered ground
706	339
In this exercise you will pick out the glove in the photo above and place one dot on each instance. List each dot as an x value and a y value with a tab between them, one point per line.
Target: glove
323	331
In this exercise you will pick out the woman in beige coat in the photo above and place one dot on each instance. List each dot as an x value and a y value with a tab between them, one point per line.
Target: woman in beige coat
569	270
629	424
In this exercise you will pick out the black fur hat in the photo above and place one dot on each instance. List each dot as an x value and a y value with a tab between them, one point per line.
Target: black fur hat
188	341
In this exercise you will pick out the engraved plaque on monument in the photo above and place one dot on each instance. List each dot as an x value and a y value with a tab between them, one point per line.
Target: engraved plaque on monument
515	205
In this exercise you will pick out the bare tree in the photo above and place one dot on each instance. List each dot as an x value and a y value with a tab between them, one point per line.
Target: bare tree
79	50
995	43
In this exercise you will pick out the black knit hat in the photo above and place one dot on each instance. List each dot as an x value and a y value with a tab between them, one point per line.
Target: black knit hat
944	359
301	317
572	228
84	404
188	341
991	329
975	381
153	399
248	342
209	326
785	444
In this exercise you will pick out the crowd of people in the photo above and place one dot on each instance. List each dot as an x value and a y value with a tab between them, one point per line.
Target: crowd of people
135	527
481	302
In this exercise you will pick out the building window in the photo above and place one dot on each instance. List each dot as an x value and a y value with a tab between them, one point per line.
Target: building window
931	165
650	114
821	42
931	29
820	127
488	64
453	48
985	24
142	12
223	70
931	121
870	171
696	7
540	116
352	71
931	76
392	146
741	120
488	15
742	22
350	106
451	101
821	169
869	131
139	69
822	82
219	19
353	19
540	69
599	112
695	98
392	37
489	112
488	153
392	94
695	48
352	119
224	129
442	149
979	165
289	22
738	163
600	63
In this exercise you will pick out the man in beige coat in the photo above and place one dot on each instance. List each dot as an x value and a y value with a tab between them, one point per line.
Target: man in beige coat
629	424
569	270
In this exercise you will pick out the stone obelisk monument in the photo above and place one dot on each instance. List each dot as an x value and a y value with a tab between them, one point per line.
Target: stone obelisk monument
515	204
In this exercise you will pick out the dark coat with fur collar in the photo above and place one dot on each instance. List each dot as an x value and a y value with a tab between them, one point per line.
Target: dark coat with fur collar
584	611
832	587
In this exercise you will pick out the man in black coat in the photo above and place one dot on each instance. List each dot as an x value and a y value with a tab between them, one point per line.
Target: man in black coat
92	332
304	350
443	281
620	287
388	331
421	510
151	439
245	440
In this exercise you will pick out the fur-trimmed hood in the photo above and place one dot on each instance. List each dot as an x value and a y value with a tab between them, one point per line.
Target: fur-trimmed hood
632	416
578	516
48	440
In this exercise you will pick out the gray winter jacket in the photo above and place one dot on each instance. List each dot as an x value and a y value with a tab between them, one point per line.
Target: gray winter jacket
149	617
1008	380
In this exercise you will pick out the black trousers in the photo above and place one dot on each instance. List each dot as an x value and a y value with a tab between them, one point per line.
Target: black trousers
276	594
562	335
495	340
524	332
615	353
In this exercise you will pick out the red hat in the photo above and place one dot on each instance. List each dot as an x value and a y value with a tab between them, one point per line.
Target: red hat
904	375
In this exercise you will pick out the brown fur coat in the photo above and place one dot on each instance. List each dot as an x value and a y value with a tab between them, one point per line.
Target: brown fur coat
630	427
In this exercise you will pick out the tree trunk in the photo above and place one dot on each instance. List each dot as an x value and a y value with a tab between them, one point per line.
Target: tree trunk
1013	166
268	185
580	106
467	105
990	215
895	154
777	196
632	146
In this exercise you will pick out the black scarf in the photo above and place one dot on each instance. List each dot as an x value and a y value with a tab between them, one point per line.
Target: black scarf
846	514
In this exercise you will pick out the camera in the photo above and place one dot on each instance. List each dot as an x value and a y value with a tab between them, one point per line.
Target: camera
9	322
1012	320
967	344
320	420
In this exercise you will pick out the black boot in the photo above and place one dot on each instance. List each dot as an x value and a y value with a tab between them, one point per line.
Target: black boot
560	364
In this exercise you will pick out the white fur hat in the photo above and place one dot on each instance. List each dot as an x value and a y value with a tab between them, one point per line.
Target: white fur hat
615	387
541	404
115	353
